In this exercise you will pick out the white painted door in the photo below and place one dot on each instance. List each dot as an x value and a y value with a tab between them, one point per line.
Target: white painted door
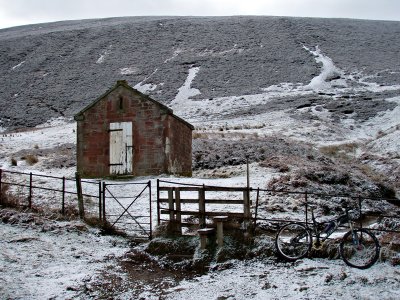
121	148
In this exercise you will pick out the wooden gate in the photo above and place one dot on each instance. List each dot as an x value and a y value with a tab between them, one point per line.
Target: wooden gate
127	208
194	206
121	148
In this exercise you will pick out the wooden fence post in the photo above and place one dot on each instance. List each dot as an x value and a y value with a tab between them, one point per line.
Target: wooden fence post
178	211
246	208
80	196
171	204
202	207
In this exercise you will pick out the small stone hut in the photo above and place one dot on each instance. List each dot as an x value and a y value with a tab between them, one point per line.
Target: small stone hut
125	132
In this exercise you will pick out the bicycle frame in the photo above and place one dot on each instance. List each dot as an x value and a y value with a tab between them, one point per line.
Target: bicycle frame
333	226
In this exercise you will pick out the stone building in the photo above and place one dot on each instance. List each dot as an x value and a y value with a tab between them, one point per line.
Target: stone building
125	132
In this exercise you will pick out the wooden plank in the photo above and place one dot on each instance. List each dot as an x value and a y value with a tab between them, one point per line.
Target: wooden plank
202	208
223	189
211	201
171	205
206	188
246	204
207	214
182	188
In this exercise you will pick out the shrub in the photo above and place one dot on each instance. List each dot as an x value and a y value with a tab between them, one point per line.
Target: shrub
6	198
14	162
31	159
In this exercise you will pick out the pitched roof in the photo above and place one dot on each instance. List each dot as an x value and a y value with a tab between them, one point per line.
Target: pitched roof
125	84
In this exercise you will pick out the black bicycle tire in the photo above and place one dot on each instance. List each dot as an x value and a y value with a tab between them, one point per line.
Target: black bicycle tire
373	259
285	256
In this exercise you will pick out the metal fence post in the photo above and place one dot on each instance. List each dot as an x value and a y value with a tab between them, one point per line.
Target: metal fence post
100	206
256	210
63	197
306	200
30	190
158	203
151	215
104	204
1	191
359	210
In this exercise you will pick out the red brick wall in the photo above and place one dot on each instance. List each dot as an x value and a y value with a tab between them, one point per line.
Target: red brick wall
179	158
151	125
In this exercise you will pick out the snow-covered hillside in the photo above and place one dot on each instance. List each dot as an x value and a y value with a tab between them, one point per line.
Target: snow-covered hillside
295	96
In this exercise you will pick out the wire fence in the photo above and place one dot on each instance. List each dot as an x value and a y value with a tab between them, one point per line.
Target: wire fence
273	208
268	207
50	193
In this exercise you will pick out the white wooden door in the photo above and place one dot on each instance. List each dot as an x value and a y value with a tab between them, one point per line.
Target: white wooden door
121	148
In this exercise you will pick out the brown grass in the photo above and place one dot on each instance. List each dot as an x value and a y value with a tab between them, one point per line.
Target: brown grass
339	151
7	199
31	159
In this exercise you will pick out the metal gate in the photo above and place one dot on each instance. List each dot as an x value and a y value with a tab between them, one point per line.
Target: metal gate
127	208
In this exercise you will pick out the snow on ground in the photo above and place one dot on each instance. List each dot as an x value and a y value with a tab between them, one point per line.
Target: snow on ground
186	91
52	261
330	75
17	66
104	55
49	135
54	133
306	279
146	87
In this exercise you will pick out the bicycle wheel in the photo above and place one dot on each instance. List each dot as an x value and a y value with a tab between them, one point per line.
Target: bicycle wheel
360	249
293	241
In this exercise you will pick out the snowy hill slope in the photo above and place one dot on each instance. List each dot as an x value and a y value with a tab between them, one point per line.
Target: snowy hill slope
55	69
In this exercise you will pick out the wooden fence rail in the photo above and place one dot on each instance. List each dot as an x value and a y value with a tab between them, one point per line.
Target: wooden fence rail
171	204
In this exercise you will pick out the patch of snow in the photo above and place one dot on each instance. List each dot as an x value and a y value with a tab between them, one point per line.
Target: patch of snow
208	52
146	87
128	70
51	264
306	279
53	133
330	75
104	55
57	121
175	54
186	91
19	65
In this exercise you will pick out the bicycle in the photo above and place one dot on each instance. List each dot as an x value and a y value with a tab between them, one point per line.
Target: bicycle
359	248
